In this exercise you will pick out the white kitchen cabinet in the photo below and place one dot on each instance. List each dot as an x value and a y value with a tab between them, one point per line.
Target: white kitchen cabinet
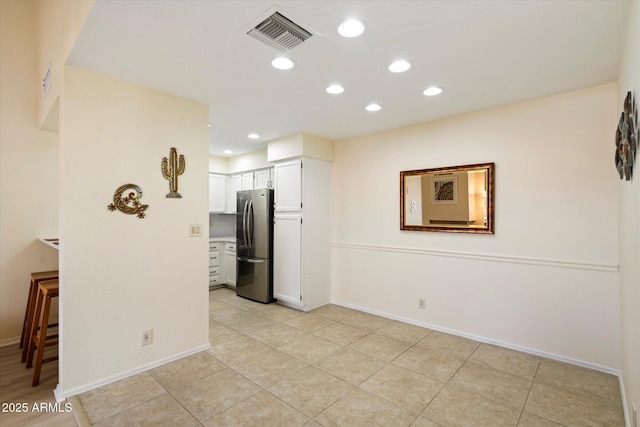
214	276
247	181
216	270
288	186
217	192
302	233
287	258
230	264
263	178
234	185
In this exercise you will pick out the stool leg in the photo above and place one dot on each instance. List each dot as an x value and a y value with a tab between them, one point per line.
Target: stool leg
41	342
34	330
28	314
32	314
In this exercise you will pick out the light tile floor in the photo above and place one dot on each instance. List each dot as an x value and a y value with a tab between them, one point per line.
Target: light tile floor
273	366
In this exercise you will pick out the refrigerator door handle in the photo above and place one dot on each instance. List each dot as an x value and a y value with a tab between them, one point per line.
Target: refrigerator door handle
250	260
250	224
244	222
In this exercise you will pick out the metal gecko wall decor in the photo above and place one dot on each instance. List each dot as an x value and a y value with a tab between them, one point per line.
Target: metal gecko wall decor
627	138
129	204
172	168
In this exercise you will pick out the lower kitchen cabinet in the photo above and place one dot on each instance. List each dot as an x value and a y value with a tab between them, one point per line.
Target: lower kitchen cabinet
287	255
230	264
215	273
222	263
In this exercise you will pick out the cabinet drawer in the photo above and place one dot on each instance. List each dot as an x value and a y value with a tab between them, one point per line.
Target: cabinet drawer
230	247
214	259
214	246
214	280
214	271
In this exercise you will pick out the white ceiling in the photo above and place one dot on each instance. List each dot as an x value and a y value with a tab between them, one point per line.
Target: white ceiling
483	53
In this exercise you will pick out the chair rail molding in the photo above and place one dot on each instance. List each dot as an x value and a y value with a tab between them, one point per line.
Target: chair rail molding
574	265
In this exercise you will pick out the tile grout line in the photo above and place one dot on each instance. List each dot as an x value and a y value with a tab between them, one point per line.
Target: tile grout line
354	387
533	379
449	380
263	389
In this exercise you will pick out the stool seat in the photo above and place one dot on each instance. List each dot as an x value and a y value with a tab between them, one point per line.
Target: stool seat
29	311
39	340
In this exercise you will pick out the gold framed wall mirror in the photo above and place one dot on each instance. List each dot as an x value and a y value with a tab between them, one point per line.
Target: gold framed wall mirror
456	199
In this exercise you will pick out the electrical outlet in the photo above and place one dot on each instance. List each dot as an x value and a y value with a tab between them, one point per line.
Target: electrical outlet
421	303
147	337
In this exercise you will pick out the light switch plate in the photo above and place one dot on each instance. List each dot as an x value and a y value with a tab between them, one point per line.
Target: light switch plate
195	230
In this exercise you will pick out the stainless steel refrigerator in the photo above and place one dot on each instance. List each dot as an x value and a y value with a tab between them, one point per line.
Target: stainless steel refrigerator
254	245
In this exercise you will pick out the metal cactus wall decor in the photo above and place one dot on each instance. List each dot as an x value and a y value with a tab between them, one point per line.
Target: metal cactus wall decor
172	168
627	138
129	204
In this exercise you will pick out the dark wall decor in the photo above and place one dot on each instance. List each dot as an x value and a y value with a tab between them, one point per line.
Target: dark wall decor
172	168
627	138
456	199
129	204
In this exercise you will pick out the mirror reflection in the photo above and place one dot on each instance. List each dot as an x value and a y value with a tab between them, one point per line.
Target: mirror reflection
454	199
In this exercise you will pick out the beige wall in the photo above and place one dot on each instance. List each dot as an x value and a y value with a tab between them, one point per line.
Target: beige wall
300	144
547	281
240	163
58	25
247	162
120	274
28	168
218	164
629	208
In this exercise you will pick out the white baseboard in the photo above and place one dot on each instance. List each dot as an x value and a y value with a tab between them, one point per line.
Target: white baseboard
577	362
625	408
57	393
10	341
62	395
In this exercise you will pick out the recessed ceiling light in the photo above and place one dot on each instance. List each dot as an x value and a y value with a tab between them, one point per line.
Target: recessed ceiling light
432	91
351	28
228	152
209	124
399	66
282	63
373	107
253	136
335	89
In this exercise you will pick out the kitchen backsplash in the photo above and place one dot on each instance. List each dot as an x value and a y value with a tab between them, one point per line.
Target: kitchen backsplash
222	225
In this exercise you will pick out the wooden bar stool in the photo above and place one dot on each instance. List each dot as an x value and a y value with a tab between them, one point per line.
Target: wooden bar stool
29	311
47	290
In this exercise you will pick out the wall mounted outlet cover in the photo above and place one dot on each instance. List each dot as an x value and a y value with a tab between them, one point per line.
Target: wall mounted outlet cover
147	337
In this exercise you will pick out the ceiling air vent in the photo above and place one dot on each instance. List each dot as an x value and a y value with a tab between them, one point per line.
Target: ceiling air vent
280	32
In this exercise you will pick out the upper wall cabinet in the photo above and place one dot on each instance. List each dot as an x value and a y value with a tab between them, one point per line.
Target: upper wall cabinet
217	192
234	184
288	184
247	181
263	178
